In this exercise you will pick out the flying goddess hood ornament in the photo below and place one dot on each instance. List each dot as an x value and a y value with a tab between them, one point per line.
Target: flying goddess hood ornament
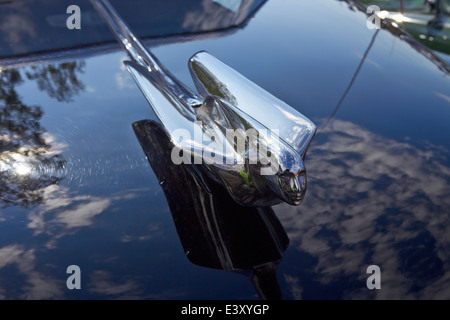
251	142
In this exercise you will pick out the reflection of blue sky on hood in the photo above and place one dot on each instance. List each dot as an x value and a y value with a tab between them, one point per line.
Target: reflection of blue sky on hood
108	213
37	285
373	200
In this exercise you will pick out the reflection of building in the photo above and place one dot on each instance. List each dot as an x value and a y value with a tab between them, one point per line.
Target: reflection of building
427	21
39	27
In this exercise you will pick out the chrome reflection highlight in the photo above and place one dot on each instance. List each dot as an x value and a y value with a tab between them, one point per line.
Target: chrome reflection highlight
226	101
213	77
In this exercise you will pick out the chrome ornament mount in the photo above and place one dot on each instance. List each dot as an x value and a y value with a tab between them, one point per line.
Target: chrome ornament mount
249	141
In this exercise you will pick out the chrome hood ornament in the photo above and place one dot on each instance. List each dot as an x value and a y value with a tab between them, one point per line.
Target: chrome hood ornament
215	231
251	142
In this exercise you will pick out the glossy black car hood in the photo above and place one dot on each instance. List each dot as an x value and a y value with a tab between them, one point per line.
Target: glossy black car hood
84	181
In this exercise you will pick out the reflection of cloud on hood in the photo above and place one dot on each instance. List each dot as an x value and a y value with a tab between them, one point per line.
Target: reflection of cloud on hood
58	200
123	80
154	230
38	285
372	200
102	282
62	211
82	215
56	147
294	287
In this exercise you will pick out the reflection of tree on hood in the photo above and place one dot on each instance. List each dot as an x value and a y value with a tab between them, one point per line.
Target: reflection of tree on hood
26	163
58	80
